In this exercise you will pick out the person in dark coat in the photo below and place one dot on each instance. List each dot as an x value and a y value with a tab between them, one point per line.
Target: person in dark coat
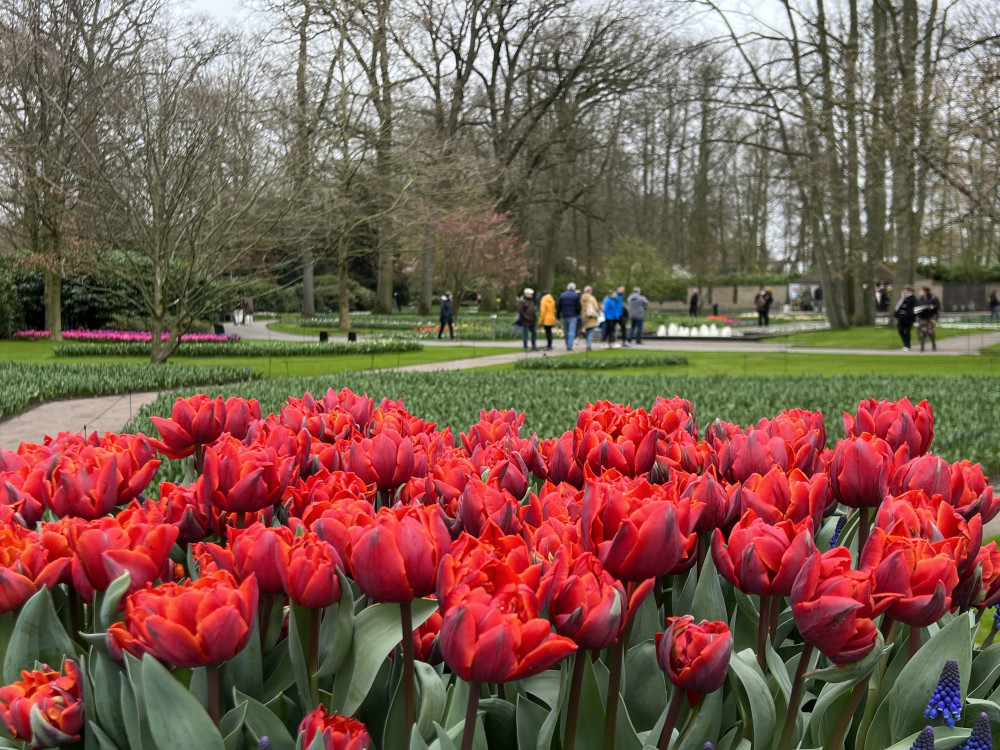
928	310
693	305
447	315
905	315
527	316
568	311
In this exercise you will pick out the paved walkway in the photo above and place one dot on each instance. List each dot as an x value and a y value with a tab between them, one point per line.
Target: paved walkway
110	413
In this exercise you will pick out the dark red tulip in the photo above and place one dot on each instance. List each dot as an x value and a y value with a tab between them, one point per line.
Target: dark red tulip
29	561
425	640
585	602
45	708
480	503
242	479
762	558
190	624
805	431
511	475
387	460
979	586
311	578
560	459
262	551
26	493
914	515
200	420
753	452
493	563
492	427
181	506
673	415
834	606
326	486
336	732
924	577
333	521
500	637
636	534
694	656
395	559
778	496
899	423
860	471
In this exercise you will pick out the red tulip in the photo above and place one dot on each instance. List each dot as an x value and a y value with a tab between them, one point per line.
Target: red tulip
979	586
28	561
191	624
262	551
899	423
46	707
636	534
499	638
717	506
834	606
395	559
200	420
761	558
860	471
387	460
559	455
778	496
326	486
673	415
337	732
26	492
585	603
923	577
480	503
962	485
106	548
425	640
492	427
753	452
241	479
805	431
181	506
442	486
510	474
311	579
333	521
914	515
695	657
494	563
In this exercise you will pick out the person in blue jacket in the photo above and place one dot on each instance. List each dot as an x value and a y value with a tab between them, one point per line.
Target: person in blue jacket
612	311
568	311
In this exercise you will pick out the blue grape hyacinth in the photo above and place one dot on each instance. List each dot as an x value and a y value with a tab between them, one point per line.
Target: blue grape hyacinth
841	523
925	740
981	737
946	700
996	617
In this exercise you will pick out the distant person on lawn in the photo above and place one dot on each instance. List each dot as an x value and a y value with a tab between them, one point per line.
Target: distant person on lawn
928	310
447	316
904	314
693	305
527	315
590	311
637	304
568	311
547	317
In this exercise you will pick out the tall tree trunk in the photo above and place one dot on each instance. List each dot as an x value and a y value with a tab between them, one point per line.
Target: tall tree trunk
427	280
861	288
904	161
53	304
343	296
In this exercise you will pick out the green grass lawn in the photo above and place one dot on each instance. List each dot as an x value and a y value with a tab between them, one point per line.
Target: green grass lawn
41	352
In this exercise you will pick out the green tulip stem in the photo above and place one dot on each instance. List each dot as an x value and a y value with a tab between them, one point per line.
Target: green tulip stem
198	459
406	616
915	634
75	612
788	729
847	716
314	615
704	544
673	711
471	709
763	628
862	530
573	708
773	618
617	657
266	605
212	673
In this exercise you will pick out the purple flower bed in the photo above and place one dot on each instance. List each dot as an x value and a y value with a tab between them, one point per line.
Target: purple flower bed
80	334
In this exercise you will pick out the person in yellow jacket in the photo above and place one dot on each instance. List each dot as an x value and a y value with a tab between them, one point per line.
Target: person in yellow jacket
547	317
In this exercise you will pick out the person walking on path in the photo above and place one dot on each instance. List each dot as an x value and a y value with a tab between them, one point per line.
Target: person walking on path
927	310
637	313
447	316
568	310
547	317
763	302
622	313
904	315
611	314
693	305
238	310
590	311
527	316
994	306
248	310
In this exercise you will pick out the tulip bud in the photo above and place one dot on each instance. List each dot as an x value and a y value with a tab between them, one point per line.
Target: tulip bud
46	707
695	657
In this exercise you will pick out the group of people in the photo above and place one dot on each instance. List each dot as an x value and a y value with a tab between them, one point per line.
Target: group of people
924	310
243	310
581	312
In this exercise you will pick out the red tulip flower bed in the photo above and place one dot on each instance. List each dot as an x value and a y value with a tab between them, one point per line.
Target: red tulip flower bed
345	575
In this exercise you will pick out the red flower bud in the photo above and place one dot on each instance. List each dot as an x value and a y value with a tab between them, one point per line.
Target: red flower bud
46	707
337	732
695	657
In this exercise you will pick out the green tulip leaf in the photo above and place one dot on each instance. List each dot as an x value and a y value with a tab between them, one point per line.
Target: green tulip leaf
377	631
682	597
38	637
944	737
278	668
976	706
754	696
432	698
499	722
709	603
591	716
645	691
231	727
104	742
458	698
298	652
133	708
853	673
6	631
544	686
417	742
646	622
703	724
446	738
909	695
828	709
985	672
530	717
176	718
106	686
262	722
110	601
337	630
779	670
393	730
245	670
